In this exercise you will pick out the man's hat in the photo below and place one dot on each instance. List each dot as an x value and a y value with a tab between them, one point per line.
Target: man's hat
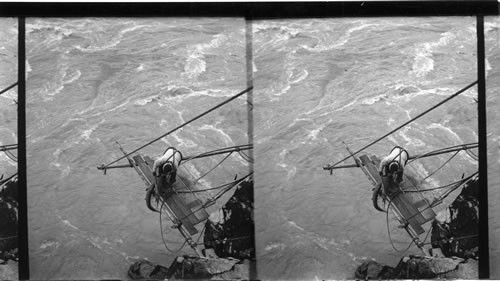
393	167
167	167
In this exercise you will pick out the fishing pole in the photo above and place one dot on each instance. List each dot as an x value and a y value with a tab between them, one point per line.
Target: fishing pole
329	167
178	127
428	154
8	147
230	149
8	88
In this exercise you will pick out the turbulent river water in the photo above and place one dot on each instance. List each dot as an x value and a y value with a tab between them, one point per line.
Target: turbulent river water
91	82
8	106
317	82
321	82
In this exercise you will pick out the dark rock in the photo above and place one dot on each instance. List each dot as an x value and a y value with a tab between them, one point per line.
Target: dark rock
457	234
144	269
374	270
9	271
189	267
231	233
229	245
466	270
420	267
8	221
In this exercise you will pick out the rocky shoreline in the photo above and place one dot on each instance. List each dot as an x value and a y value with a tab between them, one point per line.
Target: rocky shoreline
455	243
8	231
229	246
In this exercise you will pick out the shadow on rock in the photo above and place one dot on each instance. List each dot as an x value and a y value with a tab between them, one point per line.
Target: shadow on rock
228	241
455	235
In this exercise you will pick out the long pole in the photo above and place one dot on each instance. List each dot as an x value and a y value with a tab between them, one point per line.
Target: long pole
178	127
328	167
8	88
432	153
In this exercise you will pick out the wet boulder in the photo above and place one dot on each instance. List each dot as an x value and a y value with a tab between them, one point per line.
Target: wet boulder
190	267
374	270
455	230
9	270
420	267
144	269
230	231
8	221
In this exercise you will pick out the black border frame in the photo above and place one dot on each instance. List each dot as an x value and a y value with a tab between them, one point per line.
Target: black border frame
253	11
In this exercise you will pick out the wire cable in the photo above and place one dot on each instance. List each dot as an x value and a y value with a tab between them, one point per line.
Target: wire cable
389	232
162	236
218	164
180	126
8	88
406	123
449	159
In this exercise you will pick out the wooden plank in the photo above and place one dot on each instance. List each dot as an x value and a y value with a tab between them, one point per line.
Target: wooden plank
411	200
371	168
186	202
418	200
175	203
408	205
409	212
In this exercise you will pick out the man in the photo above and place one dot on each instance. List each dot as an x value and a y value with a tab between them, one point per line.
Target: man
391	169
165	169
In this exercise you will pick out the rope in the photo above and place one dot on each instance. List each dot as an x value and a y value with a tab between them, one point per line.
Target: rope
182	125
219	151
218	164
214	198
465	146
444	195
8	88
245	156
389	232
443	186
404	124
212	188
162	236
472	155
11	156
439	167
8	147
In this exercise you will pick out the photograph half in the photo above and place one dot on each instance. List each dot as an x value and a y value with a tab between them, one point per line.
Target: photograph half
138	157
492	63
366	148
9	203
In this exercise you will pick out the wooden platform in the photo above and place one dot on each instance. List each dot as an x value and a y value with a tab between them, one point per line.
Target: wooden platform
411	206
185	208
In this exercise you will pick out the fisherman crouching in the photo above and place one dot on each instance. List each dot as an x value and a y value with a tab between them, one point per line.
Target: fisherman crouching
392	168
165	169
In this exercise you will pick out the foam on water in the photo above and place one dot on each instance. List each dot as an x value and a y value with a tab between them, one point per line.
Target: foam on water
325	46
50	244
373	91
227	139
275	246
447	129
423	62
195	63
